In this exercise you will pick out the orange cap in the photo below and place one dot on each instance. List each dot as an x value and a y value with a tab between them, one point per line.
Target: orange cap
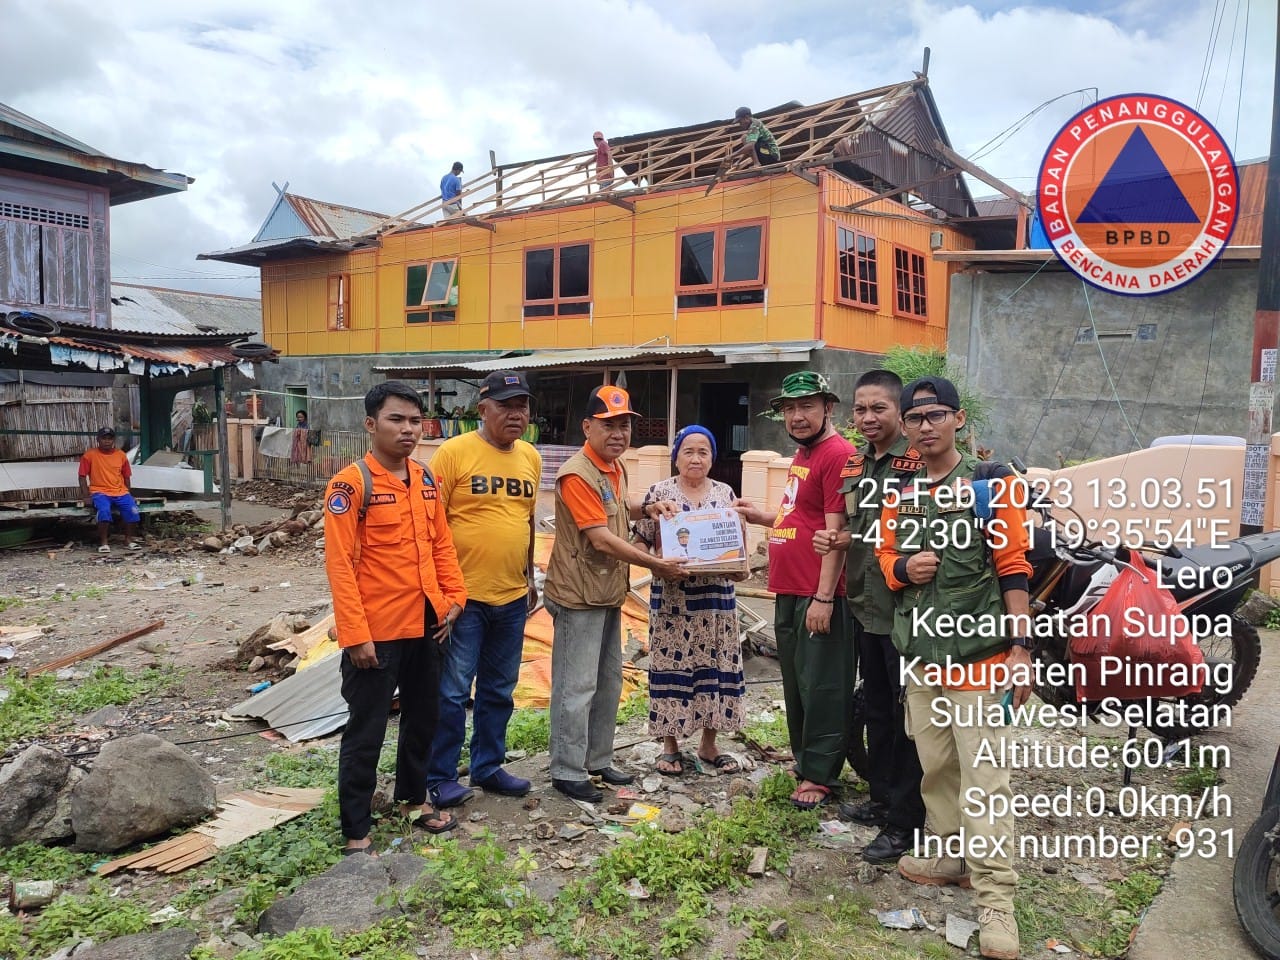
609	402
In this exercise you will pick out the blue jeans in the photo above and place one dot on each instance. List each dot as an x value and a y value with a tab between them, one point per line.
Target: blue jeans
485	647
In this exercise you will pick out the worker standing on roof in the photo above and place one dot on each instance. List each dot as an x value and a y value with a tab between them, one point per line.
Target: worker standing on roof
450	189
758	147
604	162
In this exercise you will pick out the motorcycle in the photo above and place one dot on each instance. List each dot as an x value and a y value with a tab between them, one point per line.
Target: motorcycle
1255	882
1207	584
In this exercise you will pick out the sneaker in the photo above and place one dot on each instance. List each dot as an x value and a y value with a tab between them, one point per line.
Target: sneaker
889	844
104	549
133	545
450	793
872	813
935	871
997	935
504	783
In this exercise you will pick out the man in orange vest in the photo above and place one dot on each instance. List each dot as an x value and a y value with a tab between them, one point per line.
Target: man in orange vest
397	590
587	582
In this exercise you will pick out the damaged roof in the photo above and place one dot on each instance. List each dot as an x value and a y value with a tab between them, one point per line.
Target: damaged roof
142	309
121	351
29	146
886	137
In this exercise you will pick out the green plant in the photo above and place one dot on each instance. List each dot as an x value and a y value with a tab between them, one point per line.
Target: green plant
43	703
479	896
1271	623
37	862
7	603
912	363
1196	780
529	730
315	767
635	707
1133	895
684	928
10	935
96	915
770	733
390	939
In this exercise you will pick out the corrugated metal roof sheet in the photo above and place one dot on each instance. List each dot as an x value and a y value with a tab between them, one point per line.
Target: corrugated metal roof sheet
304	706
98	349
549	359
142	309
333	220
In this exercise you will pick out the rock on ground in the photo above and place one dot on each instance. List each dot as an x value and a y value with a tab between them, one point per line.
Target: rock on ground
1257	608
138	787
36	805
176	943
349	896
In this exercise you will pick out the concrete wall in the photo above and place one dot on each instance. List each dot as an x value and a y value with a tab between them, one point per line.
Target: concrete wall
1179	362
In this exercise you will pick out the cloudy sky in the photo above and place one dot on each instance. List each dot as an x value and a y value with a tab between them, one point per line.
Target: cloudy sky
367	103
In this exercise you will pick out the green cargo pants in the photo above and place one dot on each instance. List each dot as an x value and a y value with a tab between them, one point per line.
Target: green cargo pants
817	686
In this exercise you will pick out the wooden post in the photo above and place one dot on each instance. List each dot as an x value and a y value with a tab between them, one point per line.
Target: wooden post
224	454
671	409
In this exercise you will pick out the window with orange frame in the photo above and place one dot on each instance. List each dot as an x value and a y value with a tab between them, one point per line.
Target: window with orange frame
557	281
910	292
720	266
859	283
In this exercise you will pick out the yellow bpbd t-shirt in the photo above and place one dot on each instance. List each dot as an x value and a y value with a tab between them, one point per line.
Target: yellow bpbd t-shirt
489	496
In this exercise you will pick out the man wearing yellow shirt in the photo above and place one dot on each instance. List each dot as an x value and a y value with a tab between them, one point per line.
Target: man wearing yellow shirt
488	483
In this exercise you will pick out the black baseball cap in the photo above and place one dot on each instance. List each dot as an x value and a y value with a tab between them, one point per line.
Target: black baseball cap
503	385
944	392
106	432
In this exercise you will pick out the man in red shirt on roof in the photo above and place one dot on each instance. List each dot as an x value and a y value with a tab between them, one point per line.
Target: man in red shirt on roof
104	481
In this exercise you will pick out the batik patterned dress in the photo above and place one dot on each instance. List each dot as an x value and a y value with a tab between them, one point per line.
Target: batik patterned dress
695	661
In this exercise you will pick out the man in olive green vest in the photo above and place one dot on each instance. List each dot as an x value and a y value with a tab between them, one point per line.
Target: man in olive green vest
587	582
948	564
883	462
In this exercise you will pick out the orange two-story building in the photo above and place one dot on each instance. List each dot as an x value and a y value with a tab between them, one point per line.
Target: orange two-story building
697	285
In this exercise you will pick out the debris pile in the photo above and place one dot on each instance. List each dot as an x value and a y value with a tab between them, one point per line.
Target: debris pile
303	527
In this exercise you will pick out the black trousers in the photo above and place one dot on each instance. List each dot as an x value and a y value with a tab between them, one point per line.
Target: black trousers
894	775
413	666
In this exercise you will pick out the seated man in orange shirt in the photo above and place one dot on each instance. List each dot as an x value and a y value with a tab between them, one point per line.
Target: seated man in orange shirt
587	582
104	481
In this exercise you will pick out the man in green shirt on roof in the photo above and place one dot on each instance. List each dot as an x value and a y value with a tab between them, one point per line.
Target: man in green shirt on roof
758	147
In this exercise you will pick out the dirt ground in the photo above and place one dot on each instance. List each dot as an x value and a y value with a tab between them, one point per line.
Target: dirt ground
209	603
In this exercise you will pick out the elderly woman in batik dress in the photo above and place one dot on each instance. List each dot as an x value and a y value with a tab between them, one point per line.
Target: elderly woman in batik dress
695	663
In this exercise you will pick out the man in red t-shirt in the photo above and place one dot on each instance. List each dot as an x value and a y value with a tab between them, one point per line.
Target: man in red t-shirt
811	615
604	162
104	481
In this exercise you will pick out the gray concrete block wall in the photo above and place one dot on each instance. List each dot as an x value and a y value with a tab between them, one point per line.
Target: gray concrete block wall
1178	363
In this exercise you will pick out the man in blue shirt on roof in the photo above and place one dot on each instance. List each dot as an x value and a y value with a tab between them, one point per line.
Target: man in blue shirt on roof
450	188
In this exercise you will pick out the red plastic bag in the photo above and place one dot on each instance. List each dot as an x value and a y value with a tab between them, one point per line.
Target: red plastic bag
1137	621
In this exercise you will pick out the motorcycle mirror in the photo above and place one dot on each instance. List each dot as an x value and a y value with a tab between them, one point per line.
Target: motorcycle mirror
1017	464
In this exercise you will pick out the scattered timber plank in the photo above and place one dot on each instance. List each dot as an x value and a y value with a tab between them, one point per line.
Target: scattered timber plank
243	815
300	644
96	649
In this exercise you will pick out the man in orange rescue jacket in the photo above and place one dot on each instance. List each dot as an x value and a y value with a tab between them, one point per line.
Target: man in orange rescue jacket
397	589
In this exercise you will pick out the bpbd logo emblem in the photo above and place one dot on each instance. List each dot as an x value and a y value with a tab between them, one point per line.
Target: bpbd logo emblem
1138	194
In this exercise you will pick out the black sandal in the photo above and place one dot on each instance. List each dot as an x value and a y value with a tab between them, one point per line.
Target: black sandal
723	763
672	758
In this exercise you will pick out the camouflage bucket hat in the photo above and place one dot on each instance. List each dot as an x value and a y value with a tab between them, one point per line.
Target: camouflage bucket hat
806	383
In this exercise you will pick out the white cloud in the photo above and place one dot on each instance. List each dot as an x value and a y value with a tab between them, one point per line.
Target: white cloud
367	104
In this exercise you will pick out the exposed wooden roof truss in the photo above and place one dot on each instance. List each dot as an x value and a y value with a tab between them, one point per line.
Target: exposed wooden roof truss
855	134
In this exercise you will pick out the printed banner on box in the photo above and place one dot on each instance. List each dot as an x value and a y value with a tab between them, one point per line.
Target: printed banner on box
704	537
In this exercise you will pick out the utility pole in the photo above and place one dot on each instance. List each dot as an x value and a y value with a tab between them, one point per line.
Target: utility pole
1266	333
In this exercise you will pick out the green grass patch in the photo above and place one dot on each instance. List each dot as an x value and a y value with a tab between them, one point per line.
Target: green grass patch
391	939
95	915
7	603
43	702
769	733
33	861
529	730
635	707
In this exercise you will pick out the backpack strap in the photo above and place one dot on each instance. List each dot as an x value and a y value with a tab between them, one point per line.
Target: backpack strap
366	479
